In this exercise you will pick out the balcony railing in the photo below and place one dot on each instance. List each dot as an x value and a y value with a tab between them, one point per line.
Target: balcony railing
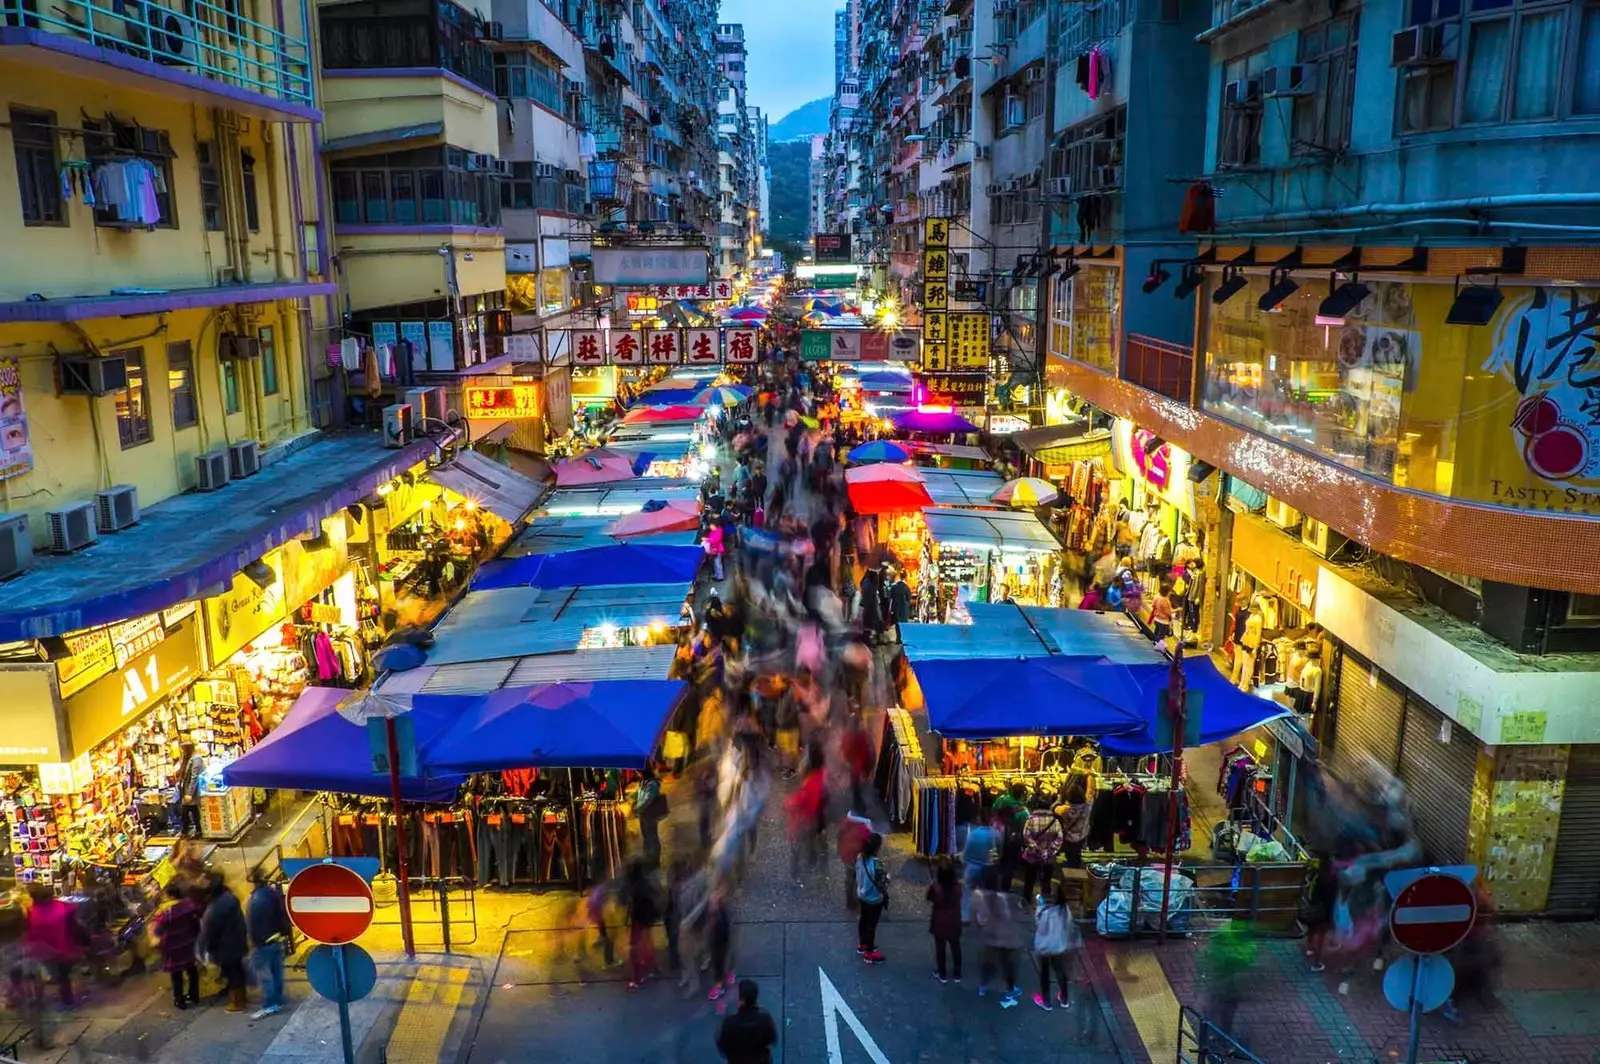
1162	367
199	37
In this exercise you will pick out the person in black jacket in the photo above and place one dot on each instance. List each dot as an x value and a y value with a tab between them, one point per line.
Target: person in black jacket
224	941
747	1036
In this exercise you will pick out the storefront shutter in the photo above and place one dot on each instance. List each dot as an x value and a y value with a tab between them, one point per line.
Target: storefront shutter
1575	879
1439	777
1367	721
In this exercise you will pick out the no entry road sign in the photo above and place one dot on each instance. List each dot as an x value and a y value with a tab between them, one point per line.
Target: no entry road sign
330	904
1433	914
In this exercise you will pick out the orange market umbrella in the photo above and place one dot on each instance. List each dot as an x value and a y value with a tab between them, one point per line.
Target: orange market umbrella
676	516
888	497
883	471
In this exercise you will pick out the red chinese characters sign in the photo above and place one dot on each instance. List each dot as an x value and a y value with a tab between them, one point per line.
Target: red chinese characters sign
702	347
663	346
741	345
588	348
626	347
518	400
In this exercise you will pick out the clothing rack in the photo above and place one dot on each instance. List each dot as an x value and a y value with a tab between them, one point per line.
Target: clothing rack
900	762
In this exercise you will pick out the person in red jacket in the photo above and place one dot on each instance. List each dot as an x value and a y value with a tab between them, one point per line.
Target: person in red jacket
808	808
856	749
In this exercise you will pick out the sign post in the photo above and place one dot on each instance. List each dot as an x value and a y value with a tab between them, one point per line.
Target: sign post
332	904
342	974
1431	914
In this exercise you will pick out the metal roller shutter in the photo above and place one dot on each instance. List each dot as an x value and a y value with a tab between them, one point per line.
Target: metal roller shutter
1439	777
1575	878
1368	717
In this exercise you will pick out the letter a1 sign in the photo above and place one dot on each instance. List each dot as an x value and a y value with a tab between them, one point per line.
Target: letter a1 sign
330	904
1433	914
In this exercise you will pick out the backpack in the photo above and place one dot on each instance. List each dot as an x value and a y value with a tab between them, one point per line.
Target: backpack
1113	595
1050	933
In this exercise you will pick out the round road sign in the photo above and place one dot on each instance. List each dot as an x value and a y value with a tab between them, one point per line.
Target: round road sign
329	903
1433	914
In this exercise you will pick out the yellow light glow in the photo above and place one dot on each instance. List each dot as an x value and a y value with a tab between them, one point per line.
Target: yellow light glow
890	319
384	489
460	524
472	504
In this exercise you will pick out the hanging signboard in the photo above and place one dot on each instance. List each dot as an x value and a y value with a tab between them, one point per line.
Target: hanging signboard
905	345
702	347
129	639
625	347
845	346
742	348
684	291
935	356
814	345
935	296
642	267
963	389
969	341
831	247
936	232
33	732
16	447
587	348
243	612
936	327
874	346
90	657
100	711
517	400
936	265
662	345
441	346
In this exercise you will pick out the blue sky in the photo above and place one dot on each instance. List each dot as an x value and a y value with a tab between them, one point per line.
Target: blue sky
791	50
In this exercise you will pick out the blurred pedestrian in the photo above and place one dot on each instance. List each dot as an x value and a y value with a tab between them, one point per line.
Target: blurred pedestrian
1227	964
1004	926
855	748
719	941
944	920
267	919
644	910
1056	940
748	1035
599	901
872	890
225	941
807	808
177	932
53	939
854	830
981	851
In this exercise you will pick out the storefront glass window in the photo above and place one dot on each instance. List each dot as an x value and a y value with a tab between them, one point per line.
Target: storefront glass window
1085	317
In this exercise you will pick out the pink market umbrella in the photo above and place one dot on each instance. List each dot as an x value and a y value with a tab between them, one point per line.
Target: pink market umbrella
677	515
881	472
933	421
747	314
676	412
599	466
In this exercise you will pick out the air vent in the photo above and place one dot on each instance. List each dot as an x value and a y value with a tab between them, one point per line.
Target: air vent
16	545
85	375
116	508
72	527
212	471
244	459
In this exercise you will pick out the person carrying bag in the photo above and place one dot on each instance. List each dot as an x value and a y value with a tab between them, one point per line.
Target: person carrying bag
1056	941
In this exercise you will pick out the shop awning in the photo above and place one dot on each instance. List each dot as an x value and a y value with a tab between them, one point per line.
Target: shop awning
316	749
888	496
517	622
960	487
622	563
615	499
676	394
548	535
1064	444
611	724
1225	710
1008	630
971	698
503	492
989	529
570	666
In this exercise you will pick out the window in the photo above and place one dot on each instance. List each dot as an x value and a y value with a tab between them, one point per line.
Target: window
252	201
33	142
1239	133
410	188
133	402
406	33
210	187
1586	93
520	76
269	363
180	385
144	158
1322	119
230	386
1496	61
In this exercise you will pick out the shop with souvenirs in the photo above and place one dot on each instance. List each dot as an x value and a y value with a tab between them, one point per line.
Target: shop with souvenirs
1051	723
971	555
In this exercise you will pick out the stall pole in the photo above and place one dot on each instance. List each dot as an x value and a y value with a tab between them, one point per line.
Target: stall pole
403	878
1177	697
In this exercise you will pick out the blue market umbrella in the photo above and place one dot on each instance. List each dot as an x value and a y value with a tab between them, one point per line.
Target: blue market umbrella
877	451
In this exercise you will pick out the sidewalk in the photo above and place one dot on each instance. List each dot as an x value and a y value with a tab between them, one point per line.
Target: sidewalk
1546	1004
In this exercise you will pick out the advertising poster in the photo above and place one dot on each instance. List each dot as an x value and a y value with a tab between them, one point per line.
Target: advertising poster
16	448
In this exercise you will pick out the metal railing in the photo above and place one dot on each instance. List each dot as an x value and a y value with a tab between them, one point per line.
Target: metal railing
209	39
1162	367
1202	1042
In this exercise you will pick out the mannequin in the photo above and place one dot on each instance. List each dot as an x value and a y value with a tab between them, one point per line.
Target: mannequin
1244	657
1267	606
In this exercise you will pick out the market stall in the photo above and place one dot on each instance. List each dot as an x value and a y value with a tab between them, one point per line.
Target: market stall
982	555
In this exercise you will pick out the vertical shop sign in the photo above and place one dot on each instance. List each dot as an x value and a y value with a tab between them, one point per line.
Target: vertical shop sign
99	712
33	732
969	341
936	265
702	347
414	335
243	612
587	348
663	346
742	346
936	232
16	447
441	346
626	347
935	296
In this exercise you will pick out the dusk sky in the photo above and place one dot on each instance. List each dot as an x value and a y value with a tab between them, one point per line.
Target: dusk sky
791	50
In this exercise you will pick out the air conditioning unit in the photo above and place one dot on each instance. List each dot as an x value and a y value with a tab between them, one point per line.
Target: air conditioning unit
233	347
1108	176
396	425
170	35
87	375
1034	75
426	404
116	508
1295	79
494	31
983	151
244	459
1241	92
16	545
1014	185
993	189
72	527
502	167
544	170
211	471
1320	538
1058	186
1425	45
1281	513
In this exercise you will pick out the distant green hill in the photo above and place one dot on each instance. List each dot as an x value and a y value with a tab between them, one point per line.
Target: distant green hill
790	166
803	122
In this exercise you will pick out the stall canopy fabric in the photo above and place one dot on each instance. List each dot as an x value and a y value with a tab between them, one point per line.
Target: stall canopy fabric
624	563
506	494
932	421
977	698
724	395
316	749
888	496
1026	491
883	471
670	392
611	724
1225	711
1075	441
877	451
994	529
600	466
673	516
669	412
1009	630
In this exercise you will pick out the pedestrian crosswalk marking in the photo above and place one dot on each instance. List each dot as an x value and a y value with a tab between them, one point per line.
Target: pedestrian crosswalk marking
833	1007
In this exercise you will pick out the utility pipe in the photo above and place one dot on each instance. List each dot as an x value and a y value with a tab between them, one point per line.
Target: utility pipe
1468	203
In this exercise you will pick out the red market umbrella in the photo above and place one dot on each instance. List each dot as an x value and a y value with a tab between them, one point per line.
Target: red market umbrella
883	471
747	314
645	414
677	515
888	497
599	466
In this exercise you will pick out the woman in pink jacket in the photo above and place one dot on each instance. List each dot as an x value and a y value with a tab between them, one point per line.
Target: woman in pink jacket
715	546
